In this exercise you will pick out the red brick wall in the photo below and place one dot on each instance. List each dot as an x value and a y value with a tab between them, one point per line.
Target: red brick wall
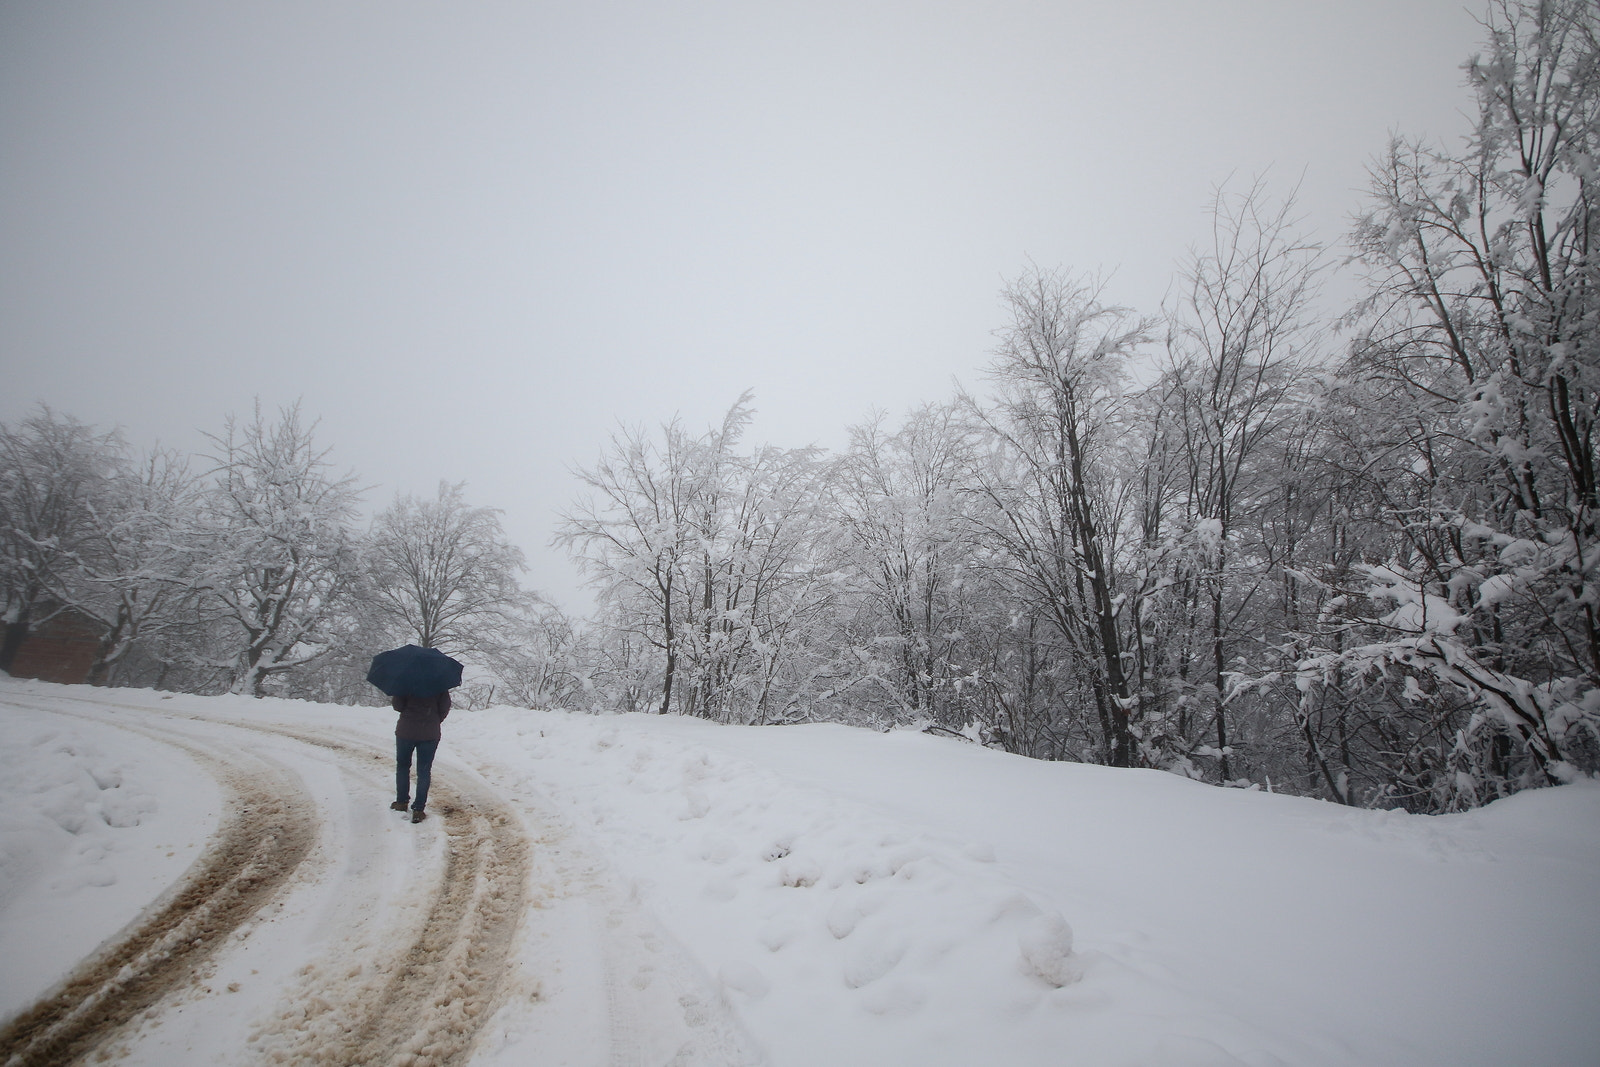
62	650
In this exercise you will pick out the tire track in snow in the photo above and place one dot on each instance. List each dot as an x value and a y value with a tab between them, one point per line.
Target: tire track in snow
418	988
656	1003
268	832
423	1002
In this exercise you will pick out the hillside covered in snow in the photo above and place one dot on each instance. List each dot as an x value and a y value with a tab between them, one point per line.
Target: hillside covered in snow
640	889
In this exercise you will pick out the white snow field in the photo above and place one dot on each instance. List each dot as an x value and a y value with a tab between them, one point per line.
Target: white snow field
216	880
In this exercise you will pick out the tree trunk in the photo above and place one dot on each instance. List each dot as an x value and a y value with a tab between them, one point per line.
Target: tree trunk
667	639
11	642
1218	662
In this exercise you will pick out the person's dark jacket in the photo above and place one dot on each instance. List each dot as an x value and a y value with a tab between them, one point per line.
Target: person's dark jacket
420	716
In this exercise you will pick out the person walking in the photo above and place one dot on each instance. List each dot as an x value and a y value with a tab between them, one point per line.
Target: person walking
417	732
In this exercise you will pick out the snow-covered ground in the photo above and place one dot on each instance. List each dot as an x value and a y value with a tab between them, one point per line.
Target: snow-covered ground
644	890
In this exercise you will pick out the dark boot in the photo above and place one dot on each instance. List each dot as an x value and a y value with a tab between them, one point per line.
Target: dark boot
398	805
417	815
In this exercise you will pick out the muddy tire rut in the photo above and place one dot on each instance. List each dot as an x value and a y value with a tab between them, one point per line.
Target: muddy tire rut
267	832
415	997
421	1000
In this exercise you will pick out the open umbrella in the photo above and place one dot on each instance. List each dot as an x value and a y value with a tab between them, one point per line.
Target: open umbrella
414	671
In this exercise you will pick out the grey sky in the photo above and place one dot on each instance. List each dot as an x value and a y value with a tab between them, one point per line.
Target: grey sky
473	237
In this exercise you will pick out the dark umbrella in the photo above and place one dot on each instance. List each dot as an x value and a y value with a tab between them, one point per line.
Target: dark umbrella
414	671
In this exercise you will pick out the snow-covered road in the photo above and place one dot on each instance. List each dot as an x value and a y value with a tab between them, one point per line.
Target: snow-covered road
316	926
265	831
216	880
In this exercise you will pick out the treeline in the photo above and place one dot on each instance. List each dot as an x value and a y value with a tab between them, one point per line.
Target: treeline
1238	541
1359	562
244	570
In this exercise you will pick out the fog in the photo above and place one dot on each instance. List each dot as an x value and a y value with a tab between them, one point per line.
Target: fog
476	238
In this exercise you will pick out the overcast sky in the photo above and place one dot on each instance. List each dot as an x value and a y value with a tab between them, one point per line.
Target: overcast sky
474	237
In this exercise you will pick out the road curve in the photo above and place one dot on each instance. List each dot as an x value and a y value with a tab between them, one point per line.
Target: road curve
427	980
267	831
423	997
317	927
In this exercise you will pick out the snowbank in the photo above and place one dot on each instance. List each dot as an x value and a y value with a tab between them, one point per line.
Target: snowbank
936	902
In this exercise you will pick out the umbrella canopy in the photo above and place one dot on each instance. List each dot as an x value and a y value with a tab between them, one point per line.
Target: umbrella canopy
414	671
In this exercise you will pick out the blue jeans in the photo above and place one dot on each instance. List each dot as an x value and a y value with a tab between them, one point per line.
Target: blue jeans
402	769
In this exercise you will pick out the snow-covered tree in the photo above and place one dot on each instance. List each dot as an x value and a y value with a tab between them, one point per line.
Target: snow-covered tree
532	658
1239	351
899	497
1057	494
282	566
709	557
1483	328
753	574
443	574
630	535
54	471
139	580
